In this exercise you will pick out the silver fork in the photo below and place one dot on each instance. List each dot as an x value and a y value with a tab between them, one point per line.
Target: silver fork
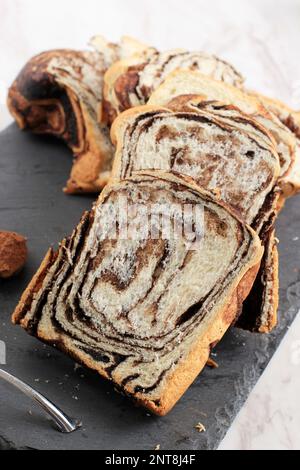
64	423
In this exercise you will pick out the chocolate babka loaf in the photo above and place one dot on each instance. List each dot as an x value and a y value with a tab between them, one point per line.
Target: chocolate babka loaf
60	93
222	150
144	311
130	83
193	83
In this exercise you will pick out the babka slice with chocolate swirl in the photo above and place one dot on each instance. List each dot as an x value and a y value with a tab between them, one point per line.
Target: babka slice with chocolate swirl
219	147
60	93
144	306
194	83
222	150
130	83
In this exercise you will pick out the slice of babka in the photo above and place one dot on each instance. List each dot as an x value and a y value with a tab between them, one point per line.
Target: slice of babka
194	83
222	150
144	307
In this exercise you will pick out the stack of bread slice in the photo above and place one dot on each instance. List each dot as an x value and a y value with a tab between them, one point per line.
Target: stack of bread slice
144	308
67	94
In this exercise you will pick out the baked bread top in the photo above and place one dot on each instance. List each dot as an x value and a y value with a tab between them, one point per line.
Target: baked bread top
140	310
131	82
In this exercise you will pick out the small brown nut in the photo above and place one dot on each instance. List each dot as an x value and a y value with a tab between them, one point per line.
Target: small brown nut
13	254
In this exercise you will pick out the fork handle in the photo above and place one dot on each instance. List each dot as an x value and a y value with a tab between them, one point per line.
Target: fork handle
64	423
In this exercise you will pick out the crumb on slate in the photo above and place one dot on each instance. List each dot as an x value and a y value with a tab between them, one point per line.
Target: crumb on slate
212	364
200	427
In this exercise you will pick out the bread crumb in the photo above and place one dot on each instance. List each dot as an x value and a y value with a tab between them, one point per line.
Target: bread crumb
200	427
212	364
157	447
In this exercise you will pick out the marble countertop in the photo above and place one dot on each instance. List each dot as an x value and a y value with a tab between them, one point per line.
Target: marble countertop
261	38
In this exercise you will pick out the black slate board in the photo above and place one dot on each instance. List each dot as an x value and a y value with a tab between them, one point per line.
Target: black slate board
32	172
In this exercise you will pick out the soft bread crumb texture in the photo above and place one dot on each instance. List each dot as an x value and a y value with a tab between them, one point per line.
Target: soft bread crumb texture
147	328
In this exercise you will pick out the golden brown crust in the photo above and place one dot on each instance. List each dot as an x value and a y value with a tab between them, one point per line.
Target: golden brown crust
34	286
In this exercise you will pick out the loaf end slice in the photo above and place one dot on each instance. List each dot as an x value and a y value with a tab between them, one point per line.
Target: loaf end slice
59	93
144	311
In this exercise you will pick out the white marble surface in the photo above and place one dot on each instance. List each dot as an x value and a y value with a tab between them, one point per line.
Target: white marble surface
261	38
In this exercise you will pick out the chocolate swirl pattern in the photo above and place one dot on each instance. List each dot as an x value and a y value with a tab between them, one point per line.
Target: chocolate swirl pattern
143	312
220	148
194	83
131	82
60	92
